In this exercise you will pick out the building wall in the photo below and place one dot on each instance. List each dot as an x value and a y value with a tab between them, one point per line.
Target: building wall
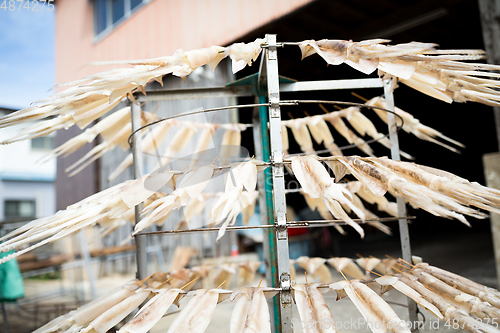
73	189
22	177
157	29
18	161
43	193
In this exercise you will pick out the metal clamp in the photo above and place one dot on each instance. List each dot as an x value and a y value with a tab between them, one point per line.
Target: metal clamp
282	231
285	281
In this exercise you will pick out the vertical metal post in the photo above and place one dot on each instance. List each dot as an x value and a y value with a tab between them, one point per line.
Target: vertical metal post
283	257
140	240
88	264
261	144
403	223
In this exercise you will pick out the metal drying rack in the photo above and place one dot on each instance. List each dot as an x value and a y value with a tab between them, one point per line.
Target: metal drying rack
268	147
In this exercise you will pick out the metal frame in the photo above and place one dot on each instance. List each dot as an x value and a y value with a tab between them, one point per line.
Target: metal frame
279	201
268	144
246	90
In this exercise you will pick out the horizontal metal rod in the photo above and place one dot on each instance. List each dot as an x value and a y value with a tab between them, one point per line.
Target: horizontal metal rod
194	93
246	90
331	85
290	224
206	229
341	222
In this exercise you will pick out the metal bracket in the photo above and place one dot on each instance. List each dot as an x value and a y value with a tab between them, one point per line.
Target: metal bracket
285	281
278	172
282	231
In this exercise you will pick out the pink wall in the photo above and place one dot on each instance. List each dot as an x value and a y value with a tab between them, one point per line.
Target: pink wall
156	29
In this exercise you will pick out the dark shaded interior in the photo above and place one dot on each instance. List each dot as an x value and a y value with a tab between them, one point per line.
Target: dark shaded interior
452	24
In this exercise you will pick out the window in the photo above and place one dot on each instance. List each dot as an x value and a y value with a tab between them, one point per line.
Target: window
19	209
43	143
100	15
118	7
108	13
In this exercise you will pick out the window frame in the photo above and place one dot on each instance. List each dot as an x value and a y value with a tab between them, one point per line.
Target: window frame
110	26
19	201
48	143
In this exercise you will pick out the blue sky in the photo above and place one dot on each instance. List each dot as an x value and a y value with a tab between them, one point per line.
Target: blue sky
27	69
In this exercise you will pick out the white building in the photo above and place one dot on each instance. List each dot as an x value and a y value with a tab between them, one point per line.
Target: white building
27	189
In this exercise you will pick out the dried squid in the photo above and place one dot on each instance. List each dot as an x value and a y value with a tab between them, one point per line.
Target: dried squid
300	134
313	308
191	185
317	183
364	126
315	267
339	125
381	179
196	315
321	134
90	311
247	272
151	140
446	309
379	316
111	139
347	266
437	73
232	202
413	125
463	301
117	313
393	281
251	313
457	188
106	127
230	139
486	294
107	205
152	311
87	99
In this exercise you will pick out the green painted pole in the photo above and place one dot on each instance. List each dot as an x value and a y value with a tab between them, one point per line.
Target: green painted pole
268	187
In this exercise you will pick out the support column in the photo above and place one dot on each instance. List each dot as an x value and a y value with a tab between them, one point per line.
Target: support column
403	223
278	184
489	11
140	240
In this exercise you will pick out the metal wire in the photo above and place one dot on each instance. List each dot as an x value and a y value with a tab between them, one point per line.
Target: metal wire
190	114
220	168
265	45
232	158
341	222
396	303
290	224
265	226
282	103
